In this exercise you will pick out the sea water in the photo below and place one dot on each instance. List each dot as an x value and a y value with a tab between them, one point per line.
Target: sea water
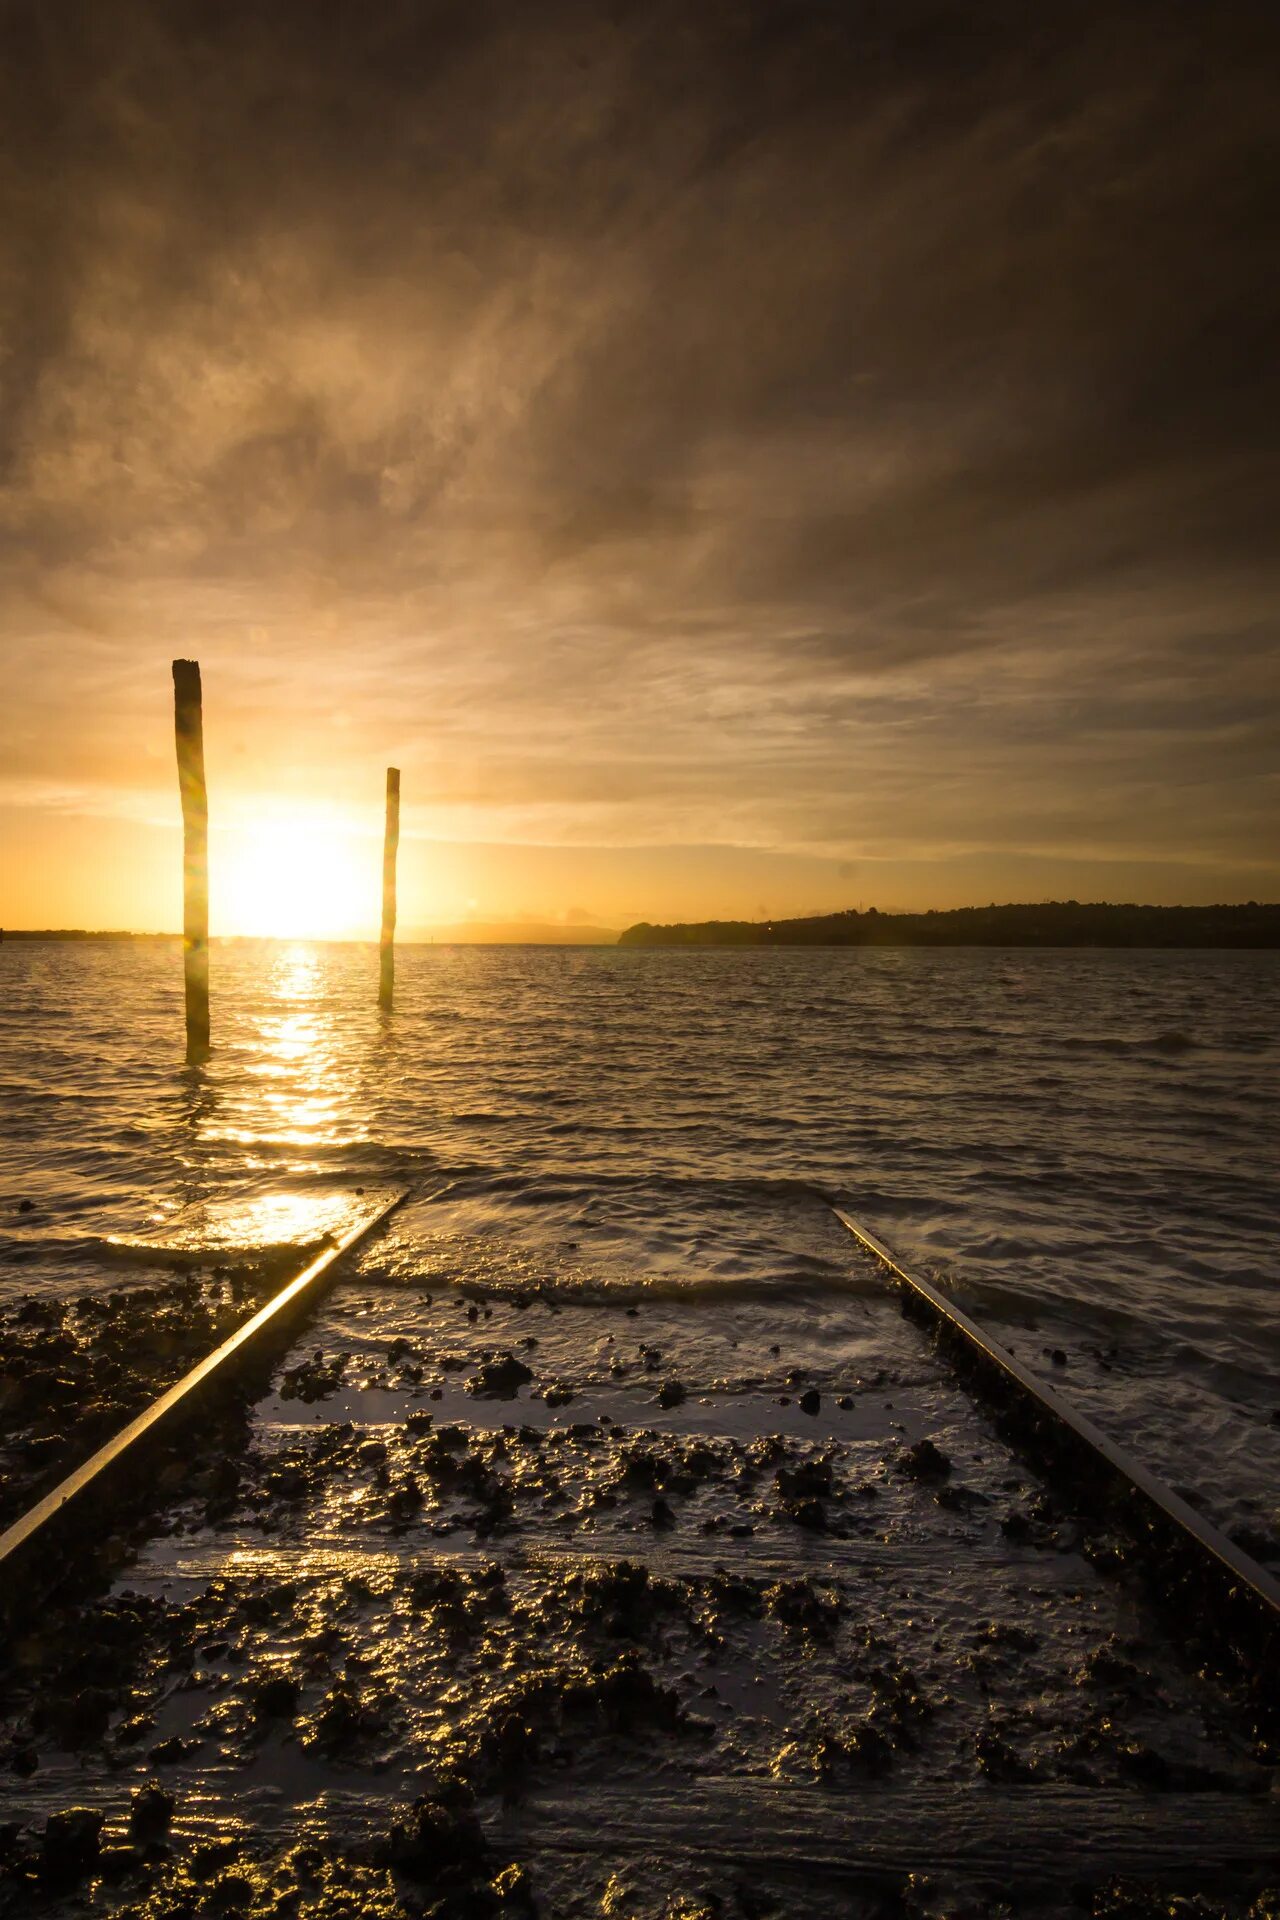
1082	1146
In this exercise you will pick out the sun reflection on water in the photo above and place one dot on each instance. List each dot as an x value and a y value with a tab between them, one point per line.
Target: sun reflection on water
291	1086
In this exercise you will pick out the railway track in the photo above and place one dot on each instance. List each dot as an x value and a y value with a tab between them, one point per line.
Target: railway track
644	1600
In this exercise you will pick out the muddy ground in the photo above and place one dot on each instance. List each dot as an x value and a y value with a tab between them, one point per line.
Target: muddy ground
510	1601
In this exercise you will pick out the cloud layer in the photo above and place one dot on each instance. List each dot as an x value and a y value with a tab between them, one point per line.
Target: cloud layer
844	432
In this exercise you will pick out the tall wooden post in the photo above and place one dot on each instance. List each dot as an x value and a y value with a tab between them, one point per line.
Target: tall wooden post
189	729
387	948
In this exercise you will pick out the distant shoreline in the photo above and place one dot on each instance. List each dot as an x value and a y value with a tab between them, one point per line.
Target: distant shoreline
1251	927
1054	923
79	933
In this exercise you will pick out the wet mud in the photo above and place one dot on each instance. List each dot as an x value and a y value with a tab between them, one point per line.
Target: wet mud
476	1615
74	1371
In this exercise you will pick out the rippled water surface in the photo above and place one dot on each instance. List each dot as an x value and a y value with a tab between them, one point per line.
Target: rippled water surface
1082	1145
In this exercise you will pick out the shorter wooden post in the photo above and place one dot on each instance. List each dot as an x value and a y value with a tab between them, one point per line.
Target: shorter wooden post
188	723
391	841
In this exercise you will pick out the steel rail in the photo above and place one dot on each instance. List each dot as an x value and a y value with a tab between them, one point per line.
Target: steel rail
1241	1571
176	1404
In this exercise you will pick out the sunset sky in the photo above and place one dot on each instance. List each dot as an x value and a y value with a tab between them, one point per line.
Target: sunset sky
733	458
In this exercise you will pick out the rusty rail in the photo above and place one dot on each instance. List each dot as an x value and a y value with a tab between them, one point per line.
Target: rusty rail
40	1527
1239	1585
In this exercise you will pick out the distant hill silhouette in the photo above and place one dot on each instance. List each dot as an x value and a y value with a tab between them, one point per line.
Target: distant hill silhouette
1050	923
78	933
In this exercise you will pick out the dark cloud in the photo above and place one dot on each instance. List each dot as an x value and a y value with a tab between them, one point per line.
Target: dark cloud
804	423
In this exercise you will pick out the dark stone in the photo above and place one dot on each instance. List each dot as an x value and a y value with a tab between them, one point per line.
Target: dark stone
70	1847
998	1760
960	1499
500	1377
274	1696
670	1393
811	1514
809	1479
150	1813
208	1859
810	1402
442	1839
113	1863
924	1461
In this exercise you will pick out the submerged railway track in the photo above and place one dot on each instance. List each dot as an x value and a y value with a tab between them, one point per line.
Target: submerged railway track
741	1607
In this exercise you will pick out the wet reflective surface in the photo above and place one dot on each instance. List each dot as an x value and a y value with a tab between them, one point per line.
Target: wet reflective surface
606	1544
602	1598
1083	1145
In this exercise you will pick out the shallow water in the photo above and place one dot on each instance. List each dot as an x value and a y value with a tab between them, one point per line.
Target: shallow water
1082	1145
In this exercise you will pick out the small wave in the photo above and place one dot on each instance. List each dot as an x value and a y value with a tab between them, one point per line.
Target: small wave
1172	1043
587	1287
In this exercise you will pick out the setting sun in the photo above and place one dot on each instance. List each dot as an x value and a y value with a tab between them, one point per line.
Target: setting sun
300	876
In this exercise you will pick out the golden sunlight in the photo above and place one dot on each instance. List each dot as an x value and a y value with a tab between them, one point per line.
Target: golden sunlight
299	876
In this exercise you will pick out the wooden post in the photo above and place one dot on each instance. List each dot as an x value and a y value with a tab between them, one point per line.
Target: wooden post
189	729
387	949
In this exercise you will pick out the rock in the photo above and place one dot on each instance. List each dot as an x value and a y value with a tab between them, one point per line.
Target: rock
70	1846
404	1501
810	1402
150	1812
500	1377
960	1499
845	1402
512	1888
274	1695
807	1480
114	1862
313	1379
82	1718
558	1394
811	1514
26	1206
209	1858
442	1838
670	1393
997	1759
924	1461
799	1604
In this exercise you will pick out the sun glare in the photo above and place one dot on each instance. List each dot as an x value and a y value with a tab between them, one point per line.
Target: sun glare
296	878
